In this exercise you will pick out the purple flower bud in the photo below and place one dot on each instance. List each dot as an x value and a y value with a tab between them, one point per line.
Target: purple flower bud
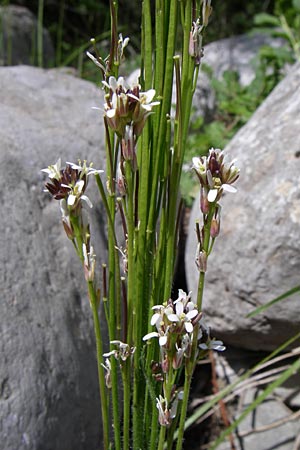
204	203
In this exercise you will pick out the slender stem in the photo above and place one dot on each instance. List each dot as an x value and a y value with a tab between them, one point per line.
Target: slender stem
126	411
101	376
162	437
206	246
40	33
186	391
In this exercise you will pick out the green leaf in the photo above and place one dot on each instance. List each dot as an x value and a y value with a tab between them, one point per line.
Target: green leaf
272	302
296	5
266	19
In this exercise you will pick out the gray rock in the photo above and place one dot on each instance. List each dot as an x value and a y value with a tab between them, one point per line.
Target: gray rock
257	255
237	54
48	374
18	38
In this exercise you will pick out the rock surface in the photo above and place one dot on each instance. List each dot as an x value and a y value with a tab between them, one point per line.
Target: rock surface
257	255
48	374
18	32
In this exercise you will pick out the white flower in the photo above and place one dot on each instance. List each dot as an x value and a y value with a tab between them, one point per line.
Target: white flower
54	170
213	345
215	174
123	352
84	169
184	317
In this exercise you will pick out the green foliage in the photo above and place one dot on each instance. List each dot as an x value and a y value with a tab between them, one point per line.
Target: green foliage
284	23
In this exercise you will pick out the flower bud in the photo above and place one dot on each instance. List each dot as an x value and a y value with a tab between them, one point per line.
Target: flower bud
128	144
204	203
121	180
215	223
206	12
201	259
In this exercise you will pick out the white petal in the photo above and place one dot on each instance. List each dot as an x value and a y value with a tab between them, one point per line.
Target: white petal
157	307
107	355
191	314
155	318
106	84
212	195
149	95
150	335
173	318
217	345
203	347
147	107
71	199
196	162
179	308
189	327
87	200
190	306
163	340
229	188
134	97
94	171
111	113
113	83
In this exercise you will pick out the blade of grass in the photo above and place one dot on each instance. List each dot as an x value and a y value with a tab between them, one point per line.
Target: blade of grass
286	374
272	302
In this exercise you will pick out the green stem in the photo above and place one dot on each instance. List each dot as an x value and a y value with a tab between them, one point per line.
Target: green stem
186	391
101	375
40	33
162	437
126	397
206	247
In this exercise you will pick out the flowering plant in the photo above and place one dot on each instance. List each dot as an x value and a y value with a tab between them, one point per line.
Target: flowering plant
154	348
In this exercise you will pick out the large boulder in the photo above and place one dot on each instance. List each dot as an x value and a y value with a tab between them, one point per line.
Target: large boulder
257	255
49	397
18	31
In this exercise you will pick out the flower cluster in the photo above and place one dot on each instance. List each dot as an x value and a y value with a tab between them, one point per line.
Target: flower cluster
68	185
127	105
215	175
176	322
122	353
